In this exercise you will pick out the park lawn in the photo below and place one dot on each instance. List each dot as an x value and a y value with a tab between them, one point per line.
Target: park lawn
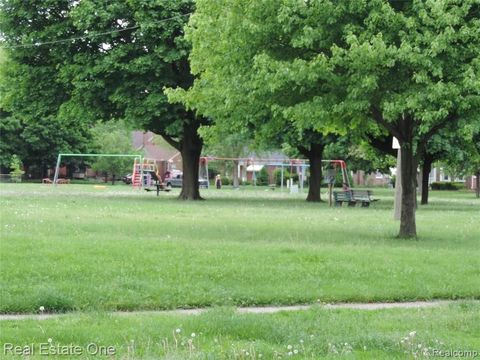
223	334
82	248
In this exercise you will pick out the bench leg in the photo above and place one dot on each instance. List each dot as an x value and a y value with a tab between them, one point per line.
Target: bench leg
352	203
338	203
365	204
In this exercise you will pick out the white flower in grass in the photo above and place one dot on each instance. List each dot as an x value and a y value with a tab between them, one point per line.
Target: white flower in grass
247	353
50	340
290	353
301	341
260	355
193	335
364	348
295	351
41	308
178	331
289	347
412	334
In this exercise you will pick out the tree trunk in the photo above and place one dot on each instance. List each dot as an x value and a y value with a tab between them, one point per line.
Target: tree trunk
113	179
191	149
105	178
315	158
477	190
235	174
426	168
408	228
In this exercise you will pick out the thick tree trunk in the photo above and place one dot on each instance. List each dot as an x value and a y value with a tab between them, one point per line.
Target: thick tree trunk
235	174
408	228
315	158
191	149
426	168
477	190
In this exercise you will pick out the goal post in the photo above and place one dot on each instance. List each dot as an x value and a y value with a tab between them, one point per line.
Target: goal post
63	155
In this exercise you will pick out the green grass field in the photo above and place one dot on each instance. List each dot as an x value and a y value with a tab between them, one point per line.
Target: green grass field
222	334
89	250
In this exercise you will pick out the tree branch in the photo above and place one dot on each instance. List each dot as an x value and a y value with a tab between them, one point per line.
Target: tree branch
303	150
175	143
378	117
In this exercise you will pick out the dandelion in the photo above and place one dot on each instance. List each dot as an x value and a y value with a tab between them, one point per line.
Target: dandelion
412	334
289	347
247	353
290	353
178	331
50	340
301	341
41	308
260	355
364	348
193	335
295	351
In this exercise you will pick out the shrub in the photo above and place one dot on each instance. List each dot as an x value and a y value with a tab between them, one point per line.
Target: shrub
262	177
277	174
226	181
444	185
16	169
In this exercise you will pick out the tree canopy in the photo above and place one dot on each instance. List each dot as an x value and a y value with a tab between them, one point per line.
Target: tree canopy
110	61
409	67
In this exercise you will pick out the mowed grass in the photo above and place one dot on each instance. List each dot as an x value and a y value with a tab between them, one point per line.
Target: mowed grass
81	248
223	334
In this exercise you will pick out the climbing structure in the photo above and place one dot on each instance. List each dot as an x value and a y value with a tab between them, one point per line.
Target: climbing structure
143	169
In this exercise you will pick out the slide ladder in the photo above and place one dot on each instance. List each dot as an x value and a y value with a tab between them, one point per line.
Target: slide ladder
147	166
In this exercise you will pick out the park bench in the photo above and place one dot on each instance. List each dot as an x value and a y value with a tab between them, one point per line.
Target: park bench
363	196
352	197
341	197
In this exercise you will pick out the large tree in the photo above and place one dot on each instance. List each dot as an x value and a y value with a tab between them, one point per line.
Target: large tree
116	58
254	73
131	67
31	93
411	67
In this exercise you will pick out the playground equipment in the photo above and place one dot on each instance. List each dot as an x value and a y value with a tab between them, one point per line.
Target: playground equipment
146	174
63	155
300	165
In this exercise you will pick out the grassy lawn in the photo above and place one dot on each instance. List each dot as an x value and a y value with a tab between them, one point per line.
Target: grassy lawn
223	334
82	248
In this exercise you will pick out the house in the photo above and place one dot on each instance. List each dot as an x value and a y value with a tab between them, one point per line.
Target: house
155	148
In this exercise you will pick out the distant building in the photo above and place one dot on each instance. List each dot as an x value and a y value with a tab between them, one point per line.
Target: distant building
154	147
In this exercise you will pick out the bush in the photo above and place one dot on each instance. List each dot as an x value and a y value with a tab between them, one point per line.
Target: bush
226	181
16	169
444	185
277	174
262	177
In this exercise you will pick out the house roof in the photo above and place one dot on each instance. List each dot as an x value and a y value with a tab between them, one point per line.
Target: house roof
154	146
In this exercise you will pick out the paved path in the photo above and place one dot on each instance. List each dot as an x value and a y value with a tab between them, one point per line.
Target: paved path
256	310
